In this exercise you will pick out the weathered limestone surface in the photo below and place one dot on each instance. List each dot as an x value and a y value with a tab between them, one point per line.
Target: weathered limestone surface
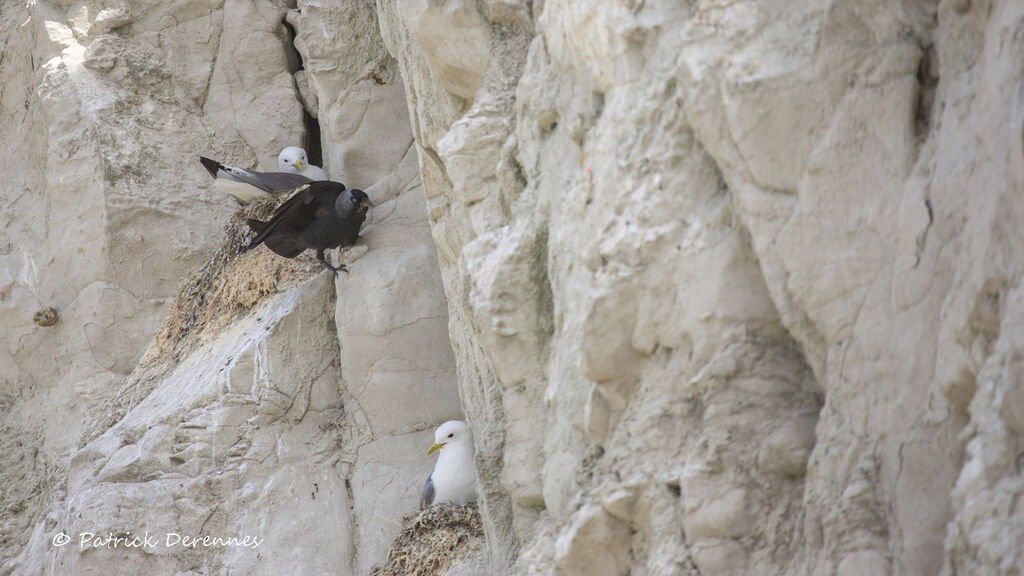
241	438
104	109
305	423
732	283
721	287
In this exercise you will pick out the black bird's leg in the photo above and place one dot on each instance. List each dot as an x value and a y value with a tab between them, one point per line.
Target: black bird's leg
322	260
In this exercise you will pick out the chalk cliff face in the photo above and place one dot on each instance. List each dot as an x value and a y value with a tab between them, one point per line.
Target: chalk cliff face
721	287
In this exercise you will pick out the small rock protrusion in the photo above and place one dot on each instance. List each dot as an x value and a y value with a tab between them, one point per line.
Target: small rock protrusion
864	563
596	416
787	449
110	19
727	515
961	6
45	317
595	543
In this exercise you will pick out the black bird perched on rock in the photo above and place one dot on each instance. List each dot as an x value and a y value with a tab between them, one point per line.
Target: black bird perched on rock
319	216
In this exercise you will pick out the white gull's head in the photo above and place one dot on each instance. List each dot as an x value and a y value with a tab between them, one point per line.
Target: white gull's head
292	159
452	433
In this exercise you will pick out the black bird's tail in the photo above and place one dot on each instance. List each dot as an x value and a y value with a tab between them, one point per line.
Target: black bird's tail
260	228
212	166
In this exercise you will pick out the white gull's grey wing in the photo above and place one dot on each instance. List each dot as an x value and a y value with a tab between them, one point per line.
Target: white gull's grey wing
269	181
427	497
249	185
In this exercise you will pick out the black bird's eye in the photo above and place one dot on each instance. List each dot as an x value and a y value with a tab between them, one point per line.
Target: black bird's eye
451	435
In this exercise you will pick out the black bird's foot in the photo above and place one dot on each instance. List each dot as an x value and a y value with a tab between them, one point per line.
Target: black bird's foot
334	270
340	268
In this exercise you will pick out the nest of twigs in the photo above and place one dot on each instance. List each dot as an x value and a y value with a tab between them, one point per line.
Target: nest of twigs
432	540
231	283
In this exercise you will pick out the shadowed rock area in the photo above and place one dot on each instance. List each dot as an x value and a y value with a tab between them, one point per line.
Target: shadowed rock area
721	288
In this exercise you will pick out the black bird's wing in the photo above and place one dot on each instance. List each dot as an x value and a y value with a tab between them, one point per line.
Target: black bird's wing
283	246
427	497
297	211
282	218
280	244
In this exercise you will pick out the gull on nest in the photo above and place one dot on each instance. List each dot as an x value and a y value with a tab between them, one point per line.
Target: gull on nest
454	477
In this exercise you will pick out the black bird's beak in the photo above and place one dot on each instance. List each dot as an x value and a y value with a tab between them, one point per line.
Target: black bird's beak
366	204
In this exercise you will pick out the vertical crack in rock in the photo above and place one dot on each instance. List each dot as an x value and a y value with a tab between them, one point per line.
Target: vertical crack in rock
311	139
927	81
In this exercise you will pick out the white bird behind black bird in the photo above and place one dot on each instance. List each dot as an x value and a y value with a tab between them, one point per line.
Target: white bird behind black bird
454	477
248	185
293	159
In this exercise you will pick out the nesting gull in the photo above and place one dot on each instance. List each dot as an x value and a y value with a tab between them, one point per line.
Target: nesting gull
454	477
319	216
248	185
293	159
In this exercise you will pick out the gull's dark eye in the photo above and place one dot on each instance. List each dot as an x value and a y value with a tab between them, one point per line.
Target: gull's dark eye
451	435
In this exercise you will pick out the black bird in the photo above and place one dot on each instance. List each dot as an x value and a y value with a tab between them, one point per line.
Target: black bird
319	216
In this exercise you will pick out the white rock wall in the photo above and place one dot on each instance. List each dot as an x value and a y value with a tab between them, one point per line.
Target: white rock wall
732	287
724	277
391	312
104	108
292	426
240	439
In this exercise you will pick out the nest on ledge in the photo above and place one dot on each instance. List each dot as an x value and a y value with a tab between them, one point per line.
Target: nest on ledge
432	540
230	284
